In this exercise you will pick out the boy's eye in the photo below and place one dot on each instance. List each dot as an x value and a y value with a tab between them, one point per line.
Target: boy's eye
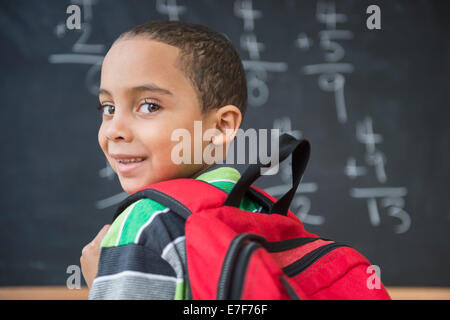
149	107
106	109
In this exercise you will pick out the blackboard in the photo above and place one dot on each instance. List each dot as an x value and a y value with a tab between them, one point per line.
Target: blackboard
372	102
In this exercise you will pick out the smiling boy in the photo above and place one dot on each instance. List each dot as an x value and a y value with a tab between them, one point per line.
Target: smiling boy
156	78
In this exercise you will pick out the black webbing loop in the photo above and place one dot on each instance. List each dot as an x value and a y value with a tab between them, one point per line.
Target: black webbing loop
300	150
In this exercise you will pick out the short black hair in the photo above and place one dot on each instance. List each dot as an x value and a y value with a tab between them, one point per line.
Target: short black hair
208	59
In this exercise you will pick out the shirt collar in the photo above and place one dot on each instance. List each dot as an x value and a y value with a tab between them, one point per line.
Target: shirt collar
217	173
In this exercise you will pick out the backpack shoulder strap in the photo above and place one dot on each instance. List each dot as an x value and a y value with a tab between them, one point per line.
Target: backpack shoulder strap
183	196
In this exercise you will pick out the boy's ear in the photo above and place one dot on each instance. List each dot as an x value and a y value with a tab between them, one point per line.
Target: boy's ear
228	120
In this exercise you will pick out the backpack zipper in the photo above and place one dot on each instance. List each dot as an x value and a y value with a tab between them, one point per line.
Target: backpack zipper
238	255
300	265
232	257
237	284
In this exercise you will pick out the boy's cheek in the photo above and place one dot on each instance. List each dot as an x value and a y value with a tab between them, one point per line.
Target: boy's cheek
103	143
102	140
112	164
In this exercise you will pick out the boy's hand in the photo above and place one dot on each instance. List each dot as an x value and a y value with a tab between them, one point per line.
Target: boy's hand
90	255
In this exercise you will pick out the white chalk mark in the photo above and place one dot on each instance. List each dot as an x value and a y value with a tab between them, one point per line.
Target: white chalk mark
354	171
303	42
341	107
75	58
301	205
170	8
331	82
392	199
107	172
328	68
335	83
326	13
403	216
250	44
336	34
374	215
365	135
80	46
396	202
333	50
244	9
308	187
284	124
286	170
111	201
265	66
60	30
378	160
258	91
378	192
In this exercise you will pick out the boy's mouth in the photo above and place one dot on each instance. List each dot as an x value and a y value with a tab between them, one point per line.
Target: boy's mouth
127	164
132	160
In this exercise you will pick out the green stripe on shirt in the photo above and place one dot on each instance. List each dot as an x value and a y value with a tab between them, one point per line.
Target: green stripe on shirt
141	213
222	173
110	239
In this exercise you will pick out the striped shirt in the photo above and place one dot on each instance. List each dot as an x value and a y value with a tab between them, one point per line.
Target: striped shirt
143	255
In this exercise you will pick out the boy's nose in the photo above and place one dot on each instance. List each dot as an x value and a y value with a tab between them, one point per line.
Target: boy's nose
119	129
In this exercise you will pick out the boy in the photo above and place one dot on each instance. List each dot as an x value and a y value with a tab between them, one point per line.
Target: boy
156	78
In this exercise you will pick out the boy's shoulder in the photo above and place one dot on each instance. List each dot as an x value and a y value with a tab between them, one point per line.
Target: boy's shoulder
133	223
222	177
126	228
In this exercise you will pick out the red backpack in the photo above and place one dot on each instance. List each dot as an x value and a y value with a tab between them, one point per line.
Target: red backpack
267	255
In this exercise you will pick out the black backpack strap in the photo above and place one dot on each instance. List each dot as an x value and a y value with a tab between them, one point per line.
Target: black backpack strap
178	196
300	150
159	197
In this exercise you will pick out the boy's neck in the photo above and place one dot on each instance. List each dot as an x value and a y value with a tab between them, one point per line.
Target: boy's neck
203	170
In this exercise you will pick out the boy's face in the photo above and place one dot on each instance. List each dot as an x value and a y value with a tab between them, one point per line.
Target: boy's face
145	97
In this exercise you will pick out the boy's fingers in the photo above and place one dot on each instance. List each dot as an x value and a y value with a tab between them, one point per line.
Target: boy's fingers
99	237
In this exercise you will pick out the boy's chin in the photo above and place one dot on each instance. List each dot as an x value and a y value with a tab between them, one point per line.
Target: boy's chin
131	185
